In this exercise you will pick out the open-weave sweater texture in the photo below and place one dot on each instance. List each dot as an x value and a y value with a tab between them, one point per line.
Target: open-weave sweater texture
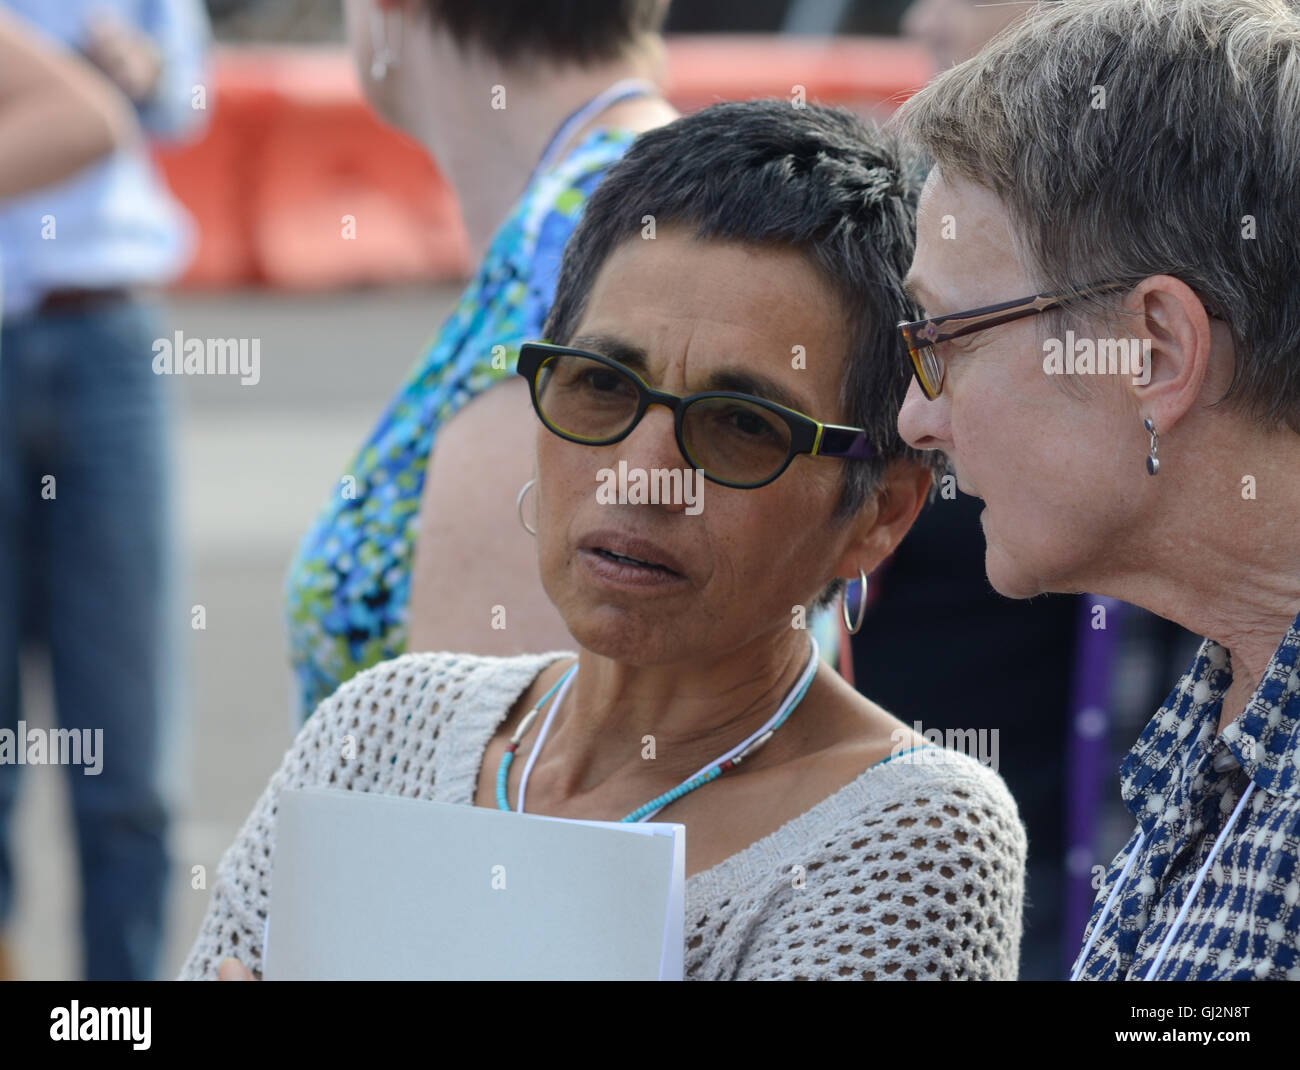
914	870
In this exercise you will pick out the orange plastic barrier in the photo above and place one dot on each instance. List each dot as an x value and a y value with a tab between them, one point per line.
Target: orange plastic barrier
870	74
297	184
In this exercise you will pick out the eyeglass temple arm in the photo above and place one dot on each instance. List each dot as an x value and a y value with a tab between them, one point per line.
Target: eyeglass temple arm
958	324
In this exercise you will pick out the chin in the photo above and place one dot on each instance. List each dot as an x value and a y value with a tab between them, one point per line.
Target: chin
619	640
1007	575
608	630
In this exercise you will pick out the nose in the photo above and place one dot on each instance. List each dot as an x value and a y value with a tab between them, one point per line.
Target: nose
653	445
922	423
657	433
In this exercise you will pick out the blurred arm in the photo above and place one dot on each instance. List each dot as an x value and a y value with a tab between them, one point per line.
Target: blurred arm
471	552
57	113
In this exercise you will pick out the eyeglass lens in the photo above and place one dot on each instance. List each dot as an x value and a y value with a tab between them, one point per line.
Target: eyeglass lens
731	439
931	368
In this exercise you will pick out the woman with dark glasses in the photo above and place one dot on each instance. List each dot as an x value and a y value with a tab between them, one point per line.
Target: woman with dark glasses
726	308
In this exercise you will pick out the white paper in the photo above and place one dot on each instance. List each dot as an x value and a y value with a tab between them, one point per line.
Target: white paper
379	887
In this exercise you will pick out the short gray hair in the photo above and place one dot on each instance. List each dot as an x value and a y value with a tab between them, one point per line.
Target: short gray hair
1129	138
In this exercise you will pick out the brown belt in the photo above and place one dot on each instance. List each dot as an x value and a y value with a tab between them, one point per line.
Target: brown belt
73	299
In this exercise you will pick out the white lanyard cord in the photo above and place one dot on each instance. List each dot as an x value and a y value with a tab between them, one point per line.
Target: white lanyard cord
1196	886
541	737
1101	920
774	719
1187	903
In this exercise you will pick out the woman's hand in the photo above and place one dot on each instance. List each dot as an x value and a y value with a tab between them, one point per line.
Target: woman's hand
234	970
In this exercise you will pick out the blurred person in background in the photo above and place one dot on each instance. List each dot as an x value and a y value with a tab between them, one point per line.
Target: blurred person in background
86	553
57	115
523	106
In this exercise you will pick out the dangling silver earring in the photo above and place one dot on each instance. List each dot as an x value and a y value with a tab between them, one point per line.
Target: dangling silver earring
862	604
519	506
383	50
1153	462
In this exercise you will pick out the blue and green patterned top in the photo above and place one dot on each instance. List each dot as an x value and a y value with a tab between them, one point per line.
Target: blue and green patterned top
348	587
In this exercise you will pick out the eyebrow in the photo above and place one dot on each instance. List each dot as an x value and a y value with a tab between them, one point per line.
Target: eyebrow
737	380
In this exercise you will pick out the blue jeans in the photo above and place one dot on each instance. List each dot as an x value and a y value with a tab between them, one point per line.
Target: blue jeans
87	574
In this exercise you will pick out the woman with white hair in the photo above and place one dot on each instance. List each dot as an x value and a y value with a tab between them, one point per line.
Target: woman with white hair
1110	357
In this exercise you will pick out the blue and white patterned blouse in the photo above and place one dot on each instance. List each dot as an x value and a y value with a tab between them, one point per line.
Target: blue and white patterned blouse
348	588
1183	781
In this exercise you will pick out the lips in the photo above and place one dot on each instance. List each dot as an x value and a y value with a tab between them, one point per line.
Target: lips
631	550
962	485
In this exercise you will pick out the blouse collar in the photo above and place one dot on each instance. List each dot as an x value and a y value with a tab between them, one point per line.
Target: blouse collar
1264	740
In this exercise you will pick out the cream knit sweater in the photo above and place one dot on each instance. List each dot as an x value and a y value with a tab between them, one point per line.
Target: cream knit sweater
915	870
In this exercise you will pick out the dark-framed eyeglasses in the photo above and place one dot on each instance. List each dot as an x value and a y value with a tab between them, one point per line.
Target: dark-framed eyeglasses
922	336
736	440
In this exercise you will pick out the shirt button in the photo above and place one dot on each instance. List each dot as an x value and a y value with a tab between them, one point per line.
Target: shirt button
1225	760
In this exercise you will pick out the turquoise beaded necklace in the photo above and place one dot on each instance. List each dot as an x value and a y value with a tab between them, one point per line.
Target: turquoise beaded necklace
711	772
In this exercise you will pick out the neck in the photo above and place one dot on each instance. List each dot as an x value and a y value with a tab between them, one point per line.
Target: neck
1220	564
486	153
693	713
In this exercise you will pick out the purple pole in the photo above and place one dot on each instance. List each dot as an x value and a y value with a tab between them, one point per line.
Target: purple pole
1087	763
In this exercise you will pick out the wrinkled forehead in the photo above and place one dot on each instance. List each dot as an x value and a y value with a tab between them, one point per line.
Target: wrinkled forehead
688	311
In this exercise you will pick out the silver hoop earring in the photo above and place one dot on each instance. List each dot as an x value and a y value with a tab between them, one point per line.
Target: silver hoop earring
383	51
862	604
519	506
1153	462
